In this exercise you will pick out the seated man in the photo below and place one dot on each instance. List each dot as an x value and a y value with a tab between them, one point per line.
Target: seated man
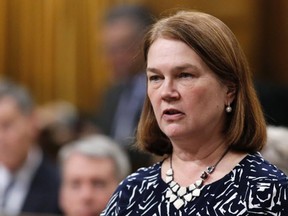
29	182
117	116
92	168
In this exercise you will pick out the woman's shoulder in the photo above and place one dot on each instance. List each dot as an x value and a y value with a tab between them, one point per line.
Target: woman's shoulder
259	184
143	175
133	188
141	180
256	168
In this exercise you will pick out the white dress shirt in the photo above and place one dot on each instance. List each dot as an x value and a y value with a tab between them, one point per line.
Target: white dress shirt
16	194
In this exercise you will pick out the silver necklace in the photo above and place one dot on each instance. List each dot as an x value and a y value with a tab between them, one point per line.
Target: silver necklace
179	195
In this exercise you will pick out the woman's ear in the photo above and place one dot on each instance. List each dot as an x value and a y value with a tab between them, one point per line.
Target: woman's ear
231	93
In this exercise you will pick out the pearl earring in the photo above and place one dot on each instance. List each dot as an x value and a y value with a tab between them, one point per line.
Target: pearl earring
228	108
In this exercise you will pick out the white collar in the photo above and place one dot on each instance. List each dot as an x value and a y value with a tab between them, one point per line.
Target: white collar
23	178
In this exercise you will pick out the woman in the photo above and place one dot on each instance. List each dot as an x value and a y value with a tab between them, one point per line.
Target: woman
202	112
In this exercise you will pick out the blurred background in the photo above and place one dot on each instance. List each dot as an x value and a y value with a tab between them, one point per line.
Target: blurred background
53	47
56	49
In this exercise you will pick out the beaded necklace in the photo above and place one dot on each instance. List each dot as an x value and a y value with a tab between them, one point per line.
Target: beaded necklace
179	195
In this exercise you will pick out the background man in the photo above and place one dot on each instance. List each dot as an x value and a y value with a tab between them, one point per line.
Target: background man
28	181
123	32
92	168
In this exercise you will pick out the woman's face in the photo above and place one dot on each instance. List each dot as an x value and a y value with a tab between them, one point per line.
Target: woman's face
187	98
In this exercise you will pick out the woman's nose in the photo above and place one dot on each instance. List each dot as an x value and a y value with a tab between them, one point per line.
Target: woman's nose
169	91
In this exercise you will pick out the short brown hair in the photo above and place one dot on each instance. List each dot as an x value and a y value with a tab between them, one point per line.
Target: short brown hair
214	42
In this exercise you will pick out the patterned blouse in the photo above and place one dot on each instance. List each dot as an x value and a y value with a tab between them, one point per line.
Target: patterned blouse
253	187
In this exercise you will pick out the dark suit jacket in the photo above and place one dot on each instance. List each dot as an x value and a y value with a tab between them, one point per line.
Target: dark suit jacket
274	101
105	116
42	197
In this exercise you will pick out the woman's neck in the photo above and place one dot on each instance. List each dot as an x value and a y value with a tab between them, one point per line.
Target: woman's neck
188	166
199	150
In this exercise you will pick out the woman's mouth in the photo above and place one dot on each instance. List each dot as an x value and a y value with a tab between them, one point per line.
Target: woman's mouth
172	114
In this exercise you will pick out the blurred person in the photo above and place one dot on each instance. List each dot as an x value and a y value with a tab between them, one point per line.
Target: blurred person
203	114
60	117
274	100
92	167
29	182
58	122
276	149
123	31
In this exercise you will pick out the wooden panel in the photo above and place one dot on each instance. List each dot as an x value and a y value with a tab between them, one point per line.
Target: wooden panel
53	49
3	21
54	46
274	41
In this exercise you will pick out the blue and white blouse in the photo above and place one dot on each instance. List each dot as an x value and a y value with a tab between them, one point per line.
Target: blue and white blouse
253	187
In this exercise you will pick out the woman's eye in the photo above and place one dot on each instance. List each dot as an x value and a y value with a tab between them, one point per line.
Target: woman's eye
154	78
185	75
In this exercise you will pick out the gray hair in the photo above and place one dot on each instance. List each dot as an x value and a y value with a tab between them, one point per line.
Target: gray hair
98	146
19	94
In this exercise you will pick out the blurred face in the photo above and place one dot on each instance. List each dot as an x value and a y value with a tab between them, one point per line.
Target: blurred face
122	48
87	186
17	133
187	98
